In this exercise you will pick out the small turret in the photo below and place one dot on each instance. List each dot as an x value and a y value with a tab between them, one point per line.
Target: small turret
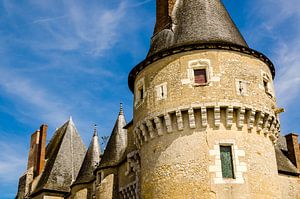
117	143
90	162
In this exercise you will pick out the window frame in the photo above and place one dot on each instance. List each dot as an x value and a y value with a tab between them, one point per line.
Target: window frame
266	83
199	64
231	161
158	90
205	76
139	86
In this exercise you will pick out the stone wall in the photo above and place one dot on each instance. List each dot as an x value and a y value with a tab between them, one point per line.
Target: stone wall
179	136
289	187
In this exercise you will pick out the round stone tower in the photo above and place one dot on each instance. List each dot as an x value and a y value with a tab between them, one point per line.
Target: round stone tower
205	115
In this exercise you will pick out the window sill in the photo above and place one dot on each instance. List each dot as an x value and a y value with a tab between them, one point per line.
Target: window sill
198	85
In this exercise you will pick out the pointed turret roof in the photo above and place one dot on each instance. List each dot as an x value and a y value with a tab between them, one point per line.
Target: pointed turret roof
187	25
90	162
64	155
194	21
117	143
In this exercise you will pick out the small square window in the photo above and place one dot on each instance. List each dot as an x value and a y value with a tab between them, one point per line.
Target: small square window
226	161
200	76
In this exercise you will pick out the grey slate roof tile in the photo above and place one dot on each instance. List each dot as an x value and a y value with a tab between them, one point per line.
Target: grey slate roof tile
64	155
90	162
197	21
117	143
284	165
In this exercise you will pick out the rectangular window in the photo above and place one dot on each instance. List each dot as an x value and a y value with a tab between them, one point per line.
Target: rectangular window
200	76
141	93
266	86
226	161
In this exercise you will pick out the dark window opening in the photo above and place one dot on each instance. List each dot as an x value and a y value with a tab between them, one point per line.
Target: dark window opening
162	91
240	87
200	76
226	161
141	93
266	85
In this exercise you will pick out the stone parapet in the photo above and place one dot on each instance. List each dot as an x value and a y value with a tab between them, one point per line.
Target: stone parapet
228	115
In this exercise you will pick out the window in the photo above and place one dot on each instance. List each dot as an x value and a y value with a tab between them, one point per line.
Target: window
267	86
241	87
161	91
200	76
199	72
226	161
141	93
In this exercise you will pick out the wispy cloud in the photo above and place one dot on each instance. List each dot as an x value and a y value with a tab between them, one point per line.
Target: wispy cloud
280	25
42	20
12	159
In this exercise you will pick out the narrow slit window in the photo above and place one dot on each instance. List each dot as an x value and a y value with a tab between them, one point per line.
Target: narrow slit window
200	76
162	91
266	86
226	161
141	93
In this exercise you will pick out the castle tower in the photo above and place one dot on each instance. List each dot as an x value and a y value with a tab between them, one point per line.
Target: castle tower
83	187
205	115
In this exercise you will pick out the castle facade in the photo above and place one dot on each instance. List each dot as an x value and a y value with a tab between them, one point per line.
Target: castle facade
205	123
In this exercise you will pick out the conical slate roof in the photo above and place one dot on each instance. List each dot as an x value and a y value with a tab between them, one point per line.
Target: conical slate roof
195	21
117	143
187	25
91	159
64	155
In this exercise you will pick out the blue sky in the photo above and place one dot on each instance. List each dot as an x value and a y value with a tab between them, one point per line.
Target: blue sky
62	58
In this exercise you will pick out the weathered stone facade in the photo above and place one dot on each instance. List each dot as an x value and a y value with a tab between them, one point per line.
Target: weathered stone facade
205	122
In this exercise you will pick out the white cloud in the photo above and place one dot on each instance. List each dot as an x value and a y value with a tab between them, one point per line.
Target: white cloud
288	77
280	25
21	89
12	160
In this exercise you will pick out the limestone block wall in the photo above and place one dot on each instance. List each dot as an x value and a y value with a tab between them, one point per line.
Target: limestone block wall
289	186
105	190
48	196
179	135
82	191
225	70
186	161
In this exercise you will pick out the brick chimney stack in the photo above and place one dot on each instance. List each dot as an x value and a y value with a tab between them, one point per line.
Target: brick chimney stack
163	19
36	157
293	149
41	149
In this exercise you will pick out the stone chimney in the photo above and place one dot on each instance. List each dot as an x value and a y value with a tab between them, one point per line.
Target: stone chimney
293	149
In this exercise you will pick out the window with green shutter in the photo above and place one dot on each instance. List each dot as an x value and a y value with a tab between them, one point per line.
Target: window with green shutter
226	161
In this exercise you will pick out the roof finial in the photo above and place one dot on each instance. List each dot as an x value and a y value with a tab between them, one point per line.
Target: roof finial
121	109
95	130
70	119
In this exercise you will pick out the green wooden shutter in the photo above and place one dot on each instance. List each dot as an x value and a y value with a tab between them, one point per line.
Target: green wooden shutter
226	161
